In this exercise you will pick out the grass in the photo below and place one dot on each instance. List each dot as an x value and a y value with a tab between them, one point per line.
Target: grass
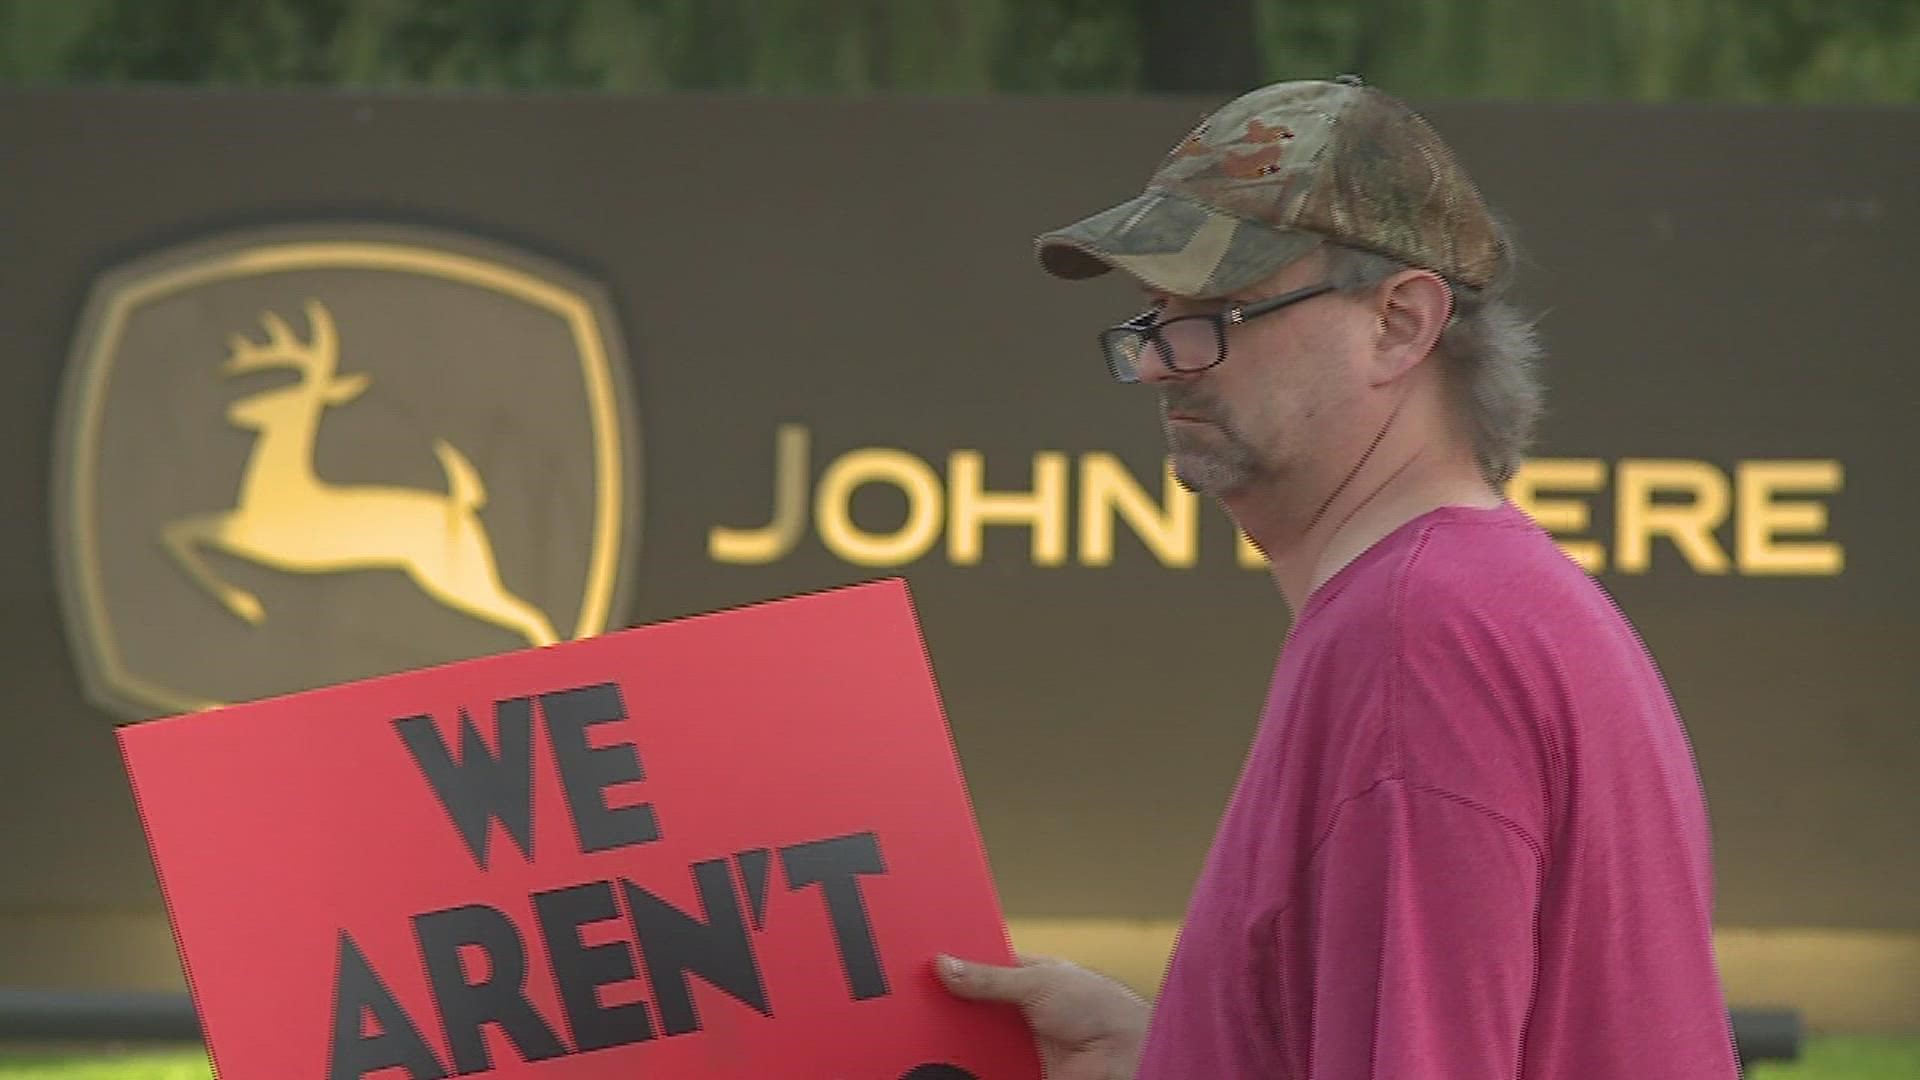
1835	1058
191	1065
1851	1058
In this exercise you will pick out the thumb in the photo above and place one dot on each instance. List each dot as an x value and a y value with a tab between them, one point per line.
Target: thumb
987	982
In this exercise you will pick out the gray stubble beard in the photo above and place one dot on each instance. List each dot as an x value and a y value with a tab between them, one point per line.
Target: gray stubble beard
1214	467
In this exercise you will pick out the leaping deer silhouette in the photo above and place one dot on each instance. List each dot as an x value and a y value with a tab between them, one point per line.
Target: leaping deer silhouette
288	518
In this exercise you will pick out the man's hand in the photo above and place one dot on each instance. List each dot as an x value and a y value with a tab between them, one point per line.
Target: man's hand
1088	1027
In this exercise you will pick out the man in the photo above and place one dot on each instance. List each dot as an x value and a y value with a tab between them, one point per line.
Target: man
1469	839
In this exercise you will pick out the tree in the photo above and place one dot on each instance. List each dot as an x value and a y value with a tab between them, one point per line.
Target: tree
1187	47
1643	50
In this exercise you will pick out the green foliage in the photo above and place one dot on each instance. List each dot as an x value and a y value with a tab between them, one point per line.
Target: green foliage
175	1066
1830	1058
1857	1058
1648	50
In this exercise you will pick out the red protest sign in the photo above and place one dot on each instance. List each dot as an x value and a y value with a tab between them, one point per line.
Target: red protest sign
727	846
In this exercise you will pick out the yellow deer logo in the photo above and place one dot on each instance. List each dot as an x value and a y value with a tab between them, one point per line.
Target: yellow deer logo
290	519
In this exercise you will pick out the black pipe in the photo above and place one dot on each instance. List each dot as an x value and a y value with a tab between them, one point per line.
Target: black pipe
1766	1035
87	1015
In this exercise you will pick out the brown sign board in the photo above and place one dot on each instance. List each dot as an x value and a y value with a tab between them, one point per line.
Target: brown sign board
828	355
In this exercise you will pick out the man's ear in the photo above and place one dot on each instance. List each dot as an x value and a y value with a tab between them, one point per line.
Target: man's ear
1412	308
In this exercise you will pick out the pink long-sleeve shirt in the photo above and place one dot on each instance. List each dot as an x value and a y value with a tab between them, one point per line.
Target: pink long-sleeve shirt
1469	841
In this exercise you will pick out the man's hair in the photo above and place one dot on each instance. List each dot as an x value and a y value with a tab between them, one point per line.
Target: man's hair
1490	355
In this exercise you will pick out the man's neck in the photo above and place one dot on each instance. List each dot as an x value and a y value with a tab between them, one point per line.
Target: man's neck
1308	538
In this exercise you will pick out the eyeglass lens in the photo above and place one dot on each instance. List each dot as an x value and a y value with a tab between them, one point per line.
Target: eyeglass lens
1185	344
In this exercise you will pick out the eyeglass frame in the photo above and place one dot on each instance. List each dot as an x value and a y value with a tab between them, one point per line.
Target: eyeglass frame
1148	328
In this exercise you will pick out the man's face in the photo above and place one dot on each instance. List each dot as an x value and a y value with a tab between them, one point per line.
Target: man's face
1287	394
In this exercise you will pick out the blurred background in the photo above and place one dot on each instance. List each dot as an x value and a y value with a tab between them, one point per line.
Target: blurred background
1772	51
800	230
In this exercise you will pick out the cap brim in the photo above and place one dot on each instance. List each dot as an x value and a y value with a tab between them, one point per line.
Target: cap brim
1173	244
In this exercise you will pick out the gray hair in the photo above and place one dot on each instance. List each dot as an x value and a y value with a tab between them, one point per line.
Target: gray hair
1491	357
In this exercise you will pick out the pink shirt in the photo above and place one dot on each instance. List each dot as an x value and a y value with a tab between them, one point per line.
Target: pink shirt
1469	840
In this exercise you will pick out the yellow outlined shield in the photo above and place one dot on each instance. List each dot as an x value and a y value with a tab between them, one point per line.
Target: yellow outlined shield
301	455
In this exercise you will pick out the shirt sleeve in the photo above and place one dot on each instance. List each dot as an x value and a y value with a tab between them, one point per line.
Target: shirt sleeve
1419	939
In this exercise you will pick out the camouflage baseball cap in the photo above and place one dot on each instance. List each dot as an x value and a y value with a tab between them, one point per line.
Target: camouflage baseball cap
1268	176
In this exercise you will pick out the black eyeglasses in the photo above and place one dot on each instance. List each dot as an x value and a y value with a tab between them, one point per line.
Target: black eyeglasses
1188	343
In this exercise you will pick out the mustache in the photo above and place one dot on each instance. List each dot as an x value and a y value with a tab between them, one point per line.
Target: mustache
1189	400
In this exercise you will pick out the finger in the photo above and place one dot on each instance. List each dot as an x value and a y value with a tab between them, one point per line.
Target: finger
987	982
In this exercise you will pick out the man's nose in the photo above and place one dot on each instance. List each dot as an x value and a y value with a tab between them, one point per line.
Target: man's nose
1155	369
